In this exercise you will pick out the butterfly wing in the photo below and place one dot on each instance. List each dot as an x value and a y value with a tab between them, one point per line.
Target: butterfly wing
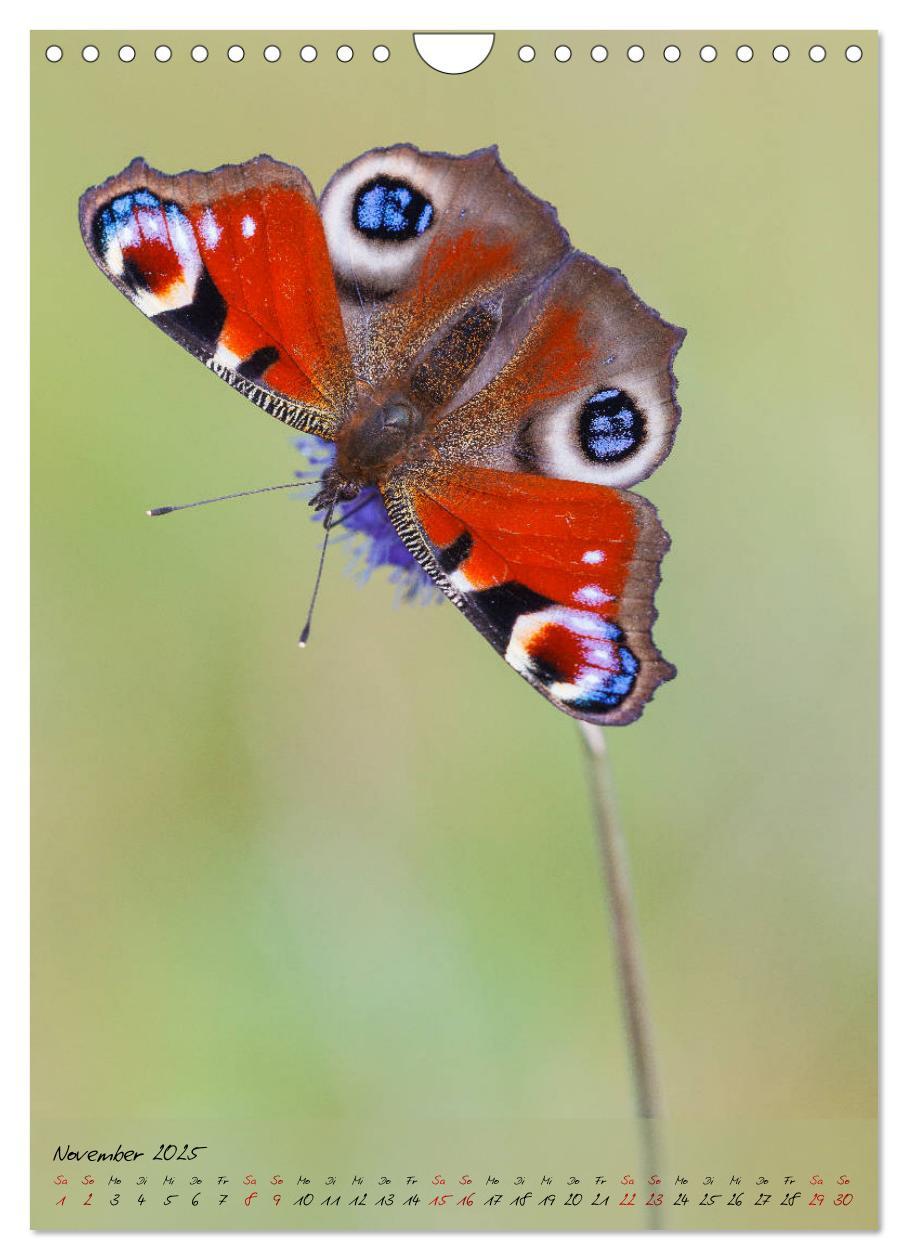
584	388
232	264
431	253
558	576
520	513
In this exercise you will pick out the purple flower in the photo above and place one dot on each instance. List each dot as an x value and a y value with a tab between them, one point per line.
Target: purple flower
372	540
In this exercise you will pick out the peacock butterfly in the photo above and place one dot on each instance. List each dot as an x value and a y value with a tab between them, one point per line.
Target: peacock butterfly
500	389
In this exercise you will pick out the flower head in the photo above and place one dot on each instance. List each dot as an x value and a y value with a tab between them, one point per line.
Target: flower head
364	526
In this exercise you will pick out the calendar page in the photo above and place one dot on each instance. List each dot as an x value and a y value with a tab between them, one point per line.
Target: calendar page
562	344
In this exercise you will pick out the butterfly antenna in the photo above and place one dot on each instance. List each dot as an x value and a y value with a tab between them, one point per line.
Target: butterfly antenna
221	498
307	628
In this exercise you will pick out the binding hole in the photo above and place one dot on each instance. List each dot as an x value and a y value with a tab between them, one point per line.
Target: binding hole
271	52
780	53
599	52
456	52
236	52
199	53
635	53
381	52
126	53
672	53
708	53
526	52
817	53
345	53
745	53
562	53
90	53
854	52
53	53
162	53
308	53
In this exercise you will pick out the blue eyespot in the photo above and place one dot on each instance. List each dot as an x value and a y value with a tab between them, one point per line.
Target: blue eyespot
609	687
611	427
390	210
117	215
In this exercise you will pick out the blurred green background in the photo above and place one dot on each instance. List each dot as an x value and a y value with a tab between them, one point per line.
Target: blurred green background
362	881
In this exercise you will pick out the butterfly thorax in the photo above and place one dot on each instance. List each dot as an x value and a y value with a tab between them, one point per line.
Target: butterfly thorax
376	439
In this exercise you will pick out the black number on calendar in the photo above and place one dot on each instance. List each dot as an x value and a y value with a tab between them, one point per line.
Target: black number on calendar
168	1151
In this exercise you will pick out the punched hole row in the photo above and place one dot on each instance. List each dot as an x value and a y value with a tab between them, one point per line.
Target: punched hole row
526	53
200	53
672	53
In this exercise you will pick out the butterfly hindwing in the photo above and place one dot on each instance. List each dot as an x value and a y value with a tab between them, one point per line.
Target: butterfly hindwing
558	576
584	390
232	264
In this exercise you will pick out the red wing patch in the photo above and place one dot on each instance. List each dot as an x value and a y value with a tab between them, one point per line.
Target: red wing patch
558	576
233	265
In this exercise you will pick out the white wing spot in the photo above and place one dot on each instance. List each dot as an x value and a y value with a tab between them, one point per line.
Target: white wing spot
593	557
248	225
210	229
593	596
151	225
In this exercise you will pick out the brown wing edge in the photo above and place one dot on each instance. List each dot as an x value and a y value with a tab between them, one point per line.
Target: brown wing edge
639	599
489	153
674	336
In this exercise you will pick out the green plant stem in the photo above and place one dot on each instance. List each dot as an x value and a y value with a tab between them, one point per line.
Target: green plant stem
638	1021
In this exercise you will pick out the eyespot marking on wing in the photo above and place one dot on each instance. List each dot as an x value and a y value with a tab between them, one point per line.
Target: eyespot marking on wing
150	245
603	436
579	657
388	209
610	426
379	214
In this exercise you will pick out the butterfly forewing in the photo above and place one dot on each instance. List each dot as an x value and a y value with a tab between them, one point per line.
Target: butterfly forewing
233	265
558	576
